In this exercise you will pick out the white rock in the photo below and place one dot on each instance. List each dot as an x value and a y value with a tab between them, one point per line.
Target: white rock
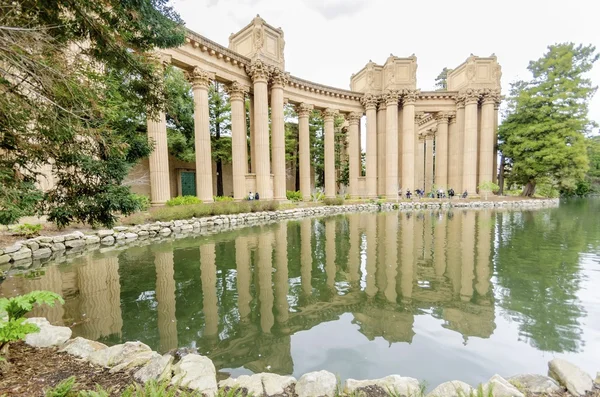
258	384
120	228
535	383
49	335
74	243
402	385
316	384
23	253
196	372
131	236
42	253
118	354
571	376
108	240
89	240
58	247
165	231
500	387
58	239
12	248
4	259
105	232
81	347
158	368
454	388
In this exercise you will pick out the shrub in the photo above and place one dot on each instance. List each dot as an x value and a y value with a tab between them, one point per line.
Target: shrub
317	196
183	200
293	196
27	230
260	206
222	198
143	201
333	201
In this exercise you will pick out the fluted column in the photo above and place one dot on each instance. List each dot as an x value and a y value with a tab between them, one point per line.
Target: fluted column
353	152
441	151
470	142
429	161
160	186
208	278
303	111
370	104
243	277
484	247
260	76
420	162
460	132
279	80
252	135
391	254
239	143
264	263
496	107
468	256
391	144
486	143
408	258
328	116
165	295
381	117
408	140
453	153
281	275
440	244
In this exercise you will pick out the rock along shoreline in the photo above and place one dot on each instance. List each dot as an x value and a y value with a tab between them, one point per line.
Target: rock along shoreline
33	253
197	372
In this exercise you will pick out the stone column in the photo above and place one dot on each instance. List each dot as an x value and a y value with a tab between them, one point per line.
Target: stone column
328	116
353	153
252	135
453	153
441	151
210	301
420	162
303	111
260	76
160	187
165	295
391	254
279	80
408	140
460	134
486	143
440	243
484	248
468	255
243	277
381	117
281	275
239	141
204	182
429	161
408	259
470	143
371	287
264	264
370	104
391	144
496	106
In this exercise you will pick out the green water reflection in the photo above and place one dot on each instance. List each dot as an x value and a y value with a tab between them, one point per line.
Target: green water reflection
435	295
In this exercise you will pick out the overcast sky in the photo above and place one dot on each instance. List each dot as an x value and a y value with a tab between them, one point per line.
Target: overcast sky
328	40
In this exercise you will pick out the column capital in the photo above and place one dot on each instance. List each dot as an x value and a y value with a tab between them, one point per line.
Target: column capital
460	101
431	133
304	109
442	117
279	78
382	104
354	118
471	96
391	97
491	96
409	97
329	114
452	117
199	78
236	91
258	71
369	101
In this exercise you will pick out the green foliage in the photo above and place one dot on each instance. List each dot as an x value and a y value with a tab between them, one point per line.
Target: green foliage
593	175
333	201
219	208
182	200
143	201
293	196
543	132
317	196
179	110
441	83
27	229
486	187
222	198
63	389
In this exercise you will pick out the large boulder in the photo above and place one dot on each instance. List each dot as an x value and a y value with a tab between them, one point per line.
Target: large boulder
454	388
120	354
500	387
81	347
570	376
259	384
48	335
317	384
535	383
401	385
158	368
196	372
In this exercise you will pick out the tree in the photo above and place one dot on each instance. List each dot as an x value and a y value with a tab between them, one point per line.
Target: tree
593	175
219	111
487	187
76	77
179	111
543	132
441	83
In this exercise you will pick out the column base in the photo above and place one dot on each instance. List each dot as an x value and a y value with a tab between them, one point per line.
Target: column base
158	203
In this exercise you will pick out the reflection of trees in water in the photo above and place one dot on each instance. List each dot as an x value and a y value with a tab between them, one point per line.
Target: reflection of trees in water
537	263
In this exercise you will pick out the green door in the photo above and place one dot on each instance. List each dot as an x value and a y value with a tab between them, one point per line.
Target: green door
188	183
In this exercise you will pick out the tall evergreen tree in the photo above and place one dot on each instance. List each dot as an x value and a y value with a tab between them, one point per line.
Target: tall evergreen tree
441	81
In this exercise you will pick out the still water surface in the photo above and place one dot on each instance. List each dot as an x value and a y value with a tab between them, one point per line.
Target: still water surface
436	295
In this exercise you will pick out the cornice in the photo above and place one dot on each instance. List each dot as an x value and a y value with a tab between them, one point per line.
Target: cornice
321	89
214	49
432	95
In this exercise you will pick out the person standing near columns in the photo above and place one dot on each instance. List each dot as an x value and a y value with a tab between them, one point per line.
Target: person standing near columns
441	151
370	104
487	144
470	142
279	80
259	72
303	111
391	144
353	152
328	116
429	178
204	183
239	141
408	139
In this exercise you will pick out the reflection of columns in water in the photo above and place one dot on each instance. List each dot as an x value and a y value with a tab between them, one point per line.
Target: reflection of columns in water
244	276
330	251
418	231
427	235
165	295
281	274
380	273
306	255
468	255
484	241
408	255
453	268
354	251
264	264
208	278
371	288
391	254
440	246
100	297
51	280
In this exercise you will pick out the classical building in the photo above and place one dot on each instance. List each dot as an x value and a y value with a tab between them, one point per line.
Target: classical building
414	139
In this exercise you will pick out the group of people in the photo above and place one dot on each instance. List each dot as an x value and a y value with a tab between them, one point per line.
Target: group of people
440	193
254	196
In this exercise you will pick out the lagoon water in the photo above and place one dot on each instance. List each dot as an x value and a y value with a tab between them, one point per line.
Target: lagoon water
436	295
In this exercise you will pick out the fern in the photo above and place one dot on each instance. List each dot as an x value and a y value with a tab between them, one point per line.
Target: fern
63	389
19	306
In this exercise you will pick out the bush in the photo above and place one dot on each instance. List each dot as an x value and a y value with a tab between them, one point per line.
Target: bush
27	230
318	196
143	201
166	214
222	198
260	206
333	201
183	200
293	196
